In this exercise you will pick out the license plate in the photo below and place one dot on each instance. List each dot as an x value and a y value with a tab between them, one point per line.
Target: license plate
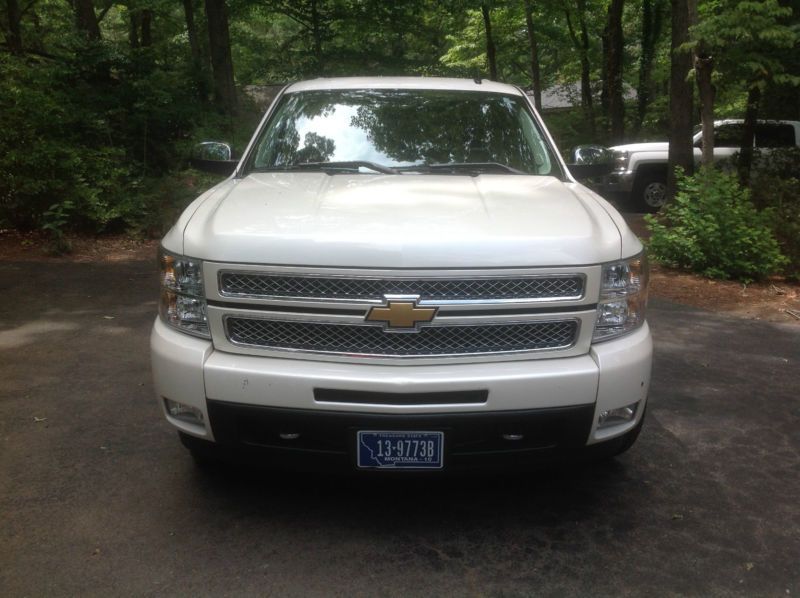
400	450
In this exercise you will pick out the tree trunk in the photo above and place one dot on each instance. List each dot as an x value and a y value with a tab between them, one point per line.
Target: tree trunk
221	62
616	105
198	70
582	45
147	28
14	37
86	19
133	28
191	30
703	67
586	82
749	135
604	51
316	31
536	76
680	97
652	11
491	52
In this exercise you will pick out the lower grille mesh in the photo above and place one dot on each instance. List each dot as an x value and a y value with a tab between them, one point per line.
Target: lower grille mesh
429	341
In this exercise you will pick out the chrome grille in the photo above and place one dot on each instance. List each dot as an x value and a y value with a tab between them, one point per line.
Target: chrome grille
244	284
429	341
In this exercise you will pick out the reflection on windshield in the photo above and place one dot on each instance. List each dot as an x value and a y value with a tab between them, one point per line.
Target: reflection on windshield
401	128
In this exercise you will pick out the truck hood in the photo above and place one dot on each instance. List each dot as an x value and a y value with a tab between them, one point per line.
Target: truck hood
403	221
654	146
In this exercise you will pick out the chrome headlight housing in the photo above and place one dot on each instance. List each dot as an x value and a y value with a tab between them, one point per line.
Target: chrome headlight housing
623	298
183	302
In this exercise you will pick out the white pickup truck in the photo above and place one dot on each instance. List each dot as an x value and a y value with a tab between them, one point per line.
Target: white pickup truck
401	274
640	169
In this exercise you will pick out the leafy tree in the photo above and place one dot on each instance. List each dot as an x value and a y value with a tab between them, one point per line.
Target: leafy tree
651	26
221	61
98	96
741	40
612	80
491	50
681	100
580	39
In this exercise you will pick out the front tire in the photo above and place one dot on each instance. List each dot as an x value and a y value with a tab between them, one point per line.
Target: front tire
206	455
630	438
650	192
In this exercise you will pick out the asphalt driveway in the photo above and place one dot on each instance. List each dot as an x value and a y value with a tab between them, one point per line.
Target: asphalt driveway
97	497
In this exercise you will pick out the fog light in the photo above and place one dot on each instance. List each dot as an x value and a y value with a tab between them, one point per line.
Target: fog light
614	417
186	413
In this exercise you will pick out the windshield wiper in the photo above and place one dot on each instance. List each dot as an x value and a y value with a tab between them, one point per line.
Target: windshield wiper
329	167
473	168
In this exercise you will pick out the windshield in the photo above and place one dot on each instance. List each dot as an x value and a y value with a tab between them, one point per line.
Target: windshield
403	130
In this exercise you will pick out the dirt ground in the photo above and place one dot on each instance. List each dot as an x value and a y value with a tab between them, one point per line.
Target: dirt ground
34	246
774	300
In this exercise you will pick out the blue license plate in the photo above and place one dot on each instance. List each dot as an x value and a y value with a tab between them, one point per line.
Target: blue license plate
400	450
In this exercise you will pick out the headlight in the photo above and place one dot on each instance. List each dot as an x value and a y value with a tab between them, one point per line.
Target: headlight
621	161
183	302
623	298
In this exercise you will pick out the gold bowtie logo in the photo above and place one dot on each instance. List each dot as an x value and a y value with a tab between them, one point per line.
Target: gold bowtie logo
401	314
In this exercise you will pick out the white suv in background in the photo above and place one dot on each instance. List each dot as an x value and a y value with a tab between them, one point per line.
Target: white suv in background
401	274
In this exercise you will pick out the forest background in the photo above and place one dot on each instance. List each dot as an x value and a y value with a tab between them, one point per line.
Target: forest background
102	100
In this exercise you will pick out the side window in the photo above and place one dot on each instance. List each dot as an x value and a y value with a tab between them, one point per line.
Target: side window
774	135
729	135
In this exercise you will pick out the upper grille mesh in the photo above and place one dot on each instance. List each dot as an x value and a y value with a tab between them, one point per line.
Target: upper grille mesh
429	341
270	285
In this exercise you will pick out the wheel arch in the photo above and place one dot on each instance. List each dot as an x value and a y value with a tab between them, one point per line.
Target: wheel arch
651	170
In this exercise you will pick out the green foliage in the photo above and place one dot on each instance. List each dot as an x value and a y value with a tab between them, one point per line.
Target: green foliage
713	228
777	187
745	38
51	151
83	133
94	134
154	203
54	220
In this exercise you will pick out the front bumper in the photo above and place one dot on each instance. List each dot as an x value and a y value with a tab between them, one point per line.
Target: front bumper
327	440
557	401
618	182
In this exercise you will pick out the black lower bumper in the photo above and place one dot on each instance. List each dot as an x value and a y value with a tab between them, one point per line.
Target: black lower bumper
305	440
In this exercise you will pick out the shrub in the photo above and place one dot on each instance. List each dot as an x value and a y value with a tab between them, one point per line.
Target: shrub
75	145
782	196
713	228
48	154
153	204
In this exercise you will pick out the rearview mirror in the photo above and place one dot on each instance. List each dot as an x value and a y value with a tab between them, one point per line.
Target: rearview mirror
590	161
215	157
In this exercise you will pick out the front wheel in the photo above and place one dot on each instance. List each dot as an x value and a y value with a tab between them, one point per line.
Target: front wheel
630	438
650	192
206	455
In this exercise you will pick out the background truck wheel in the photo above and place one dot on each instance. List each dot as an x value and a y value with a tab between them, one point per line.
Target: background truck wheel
650	192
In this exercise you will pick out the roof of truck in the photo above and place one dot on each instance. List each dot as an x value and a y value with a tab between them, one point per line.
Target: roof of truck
404	83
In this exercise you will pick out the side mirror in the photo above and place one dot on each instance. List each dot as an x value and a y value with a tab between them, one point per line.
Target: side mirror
215	157
590	161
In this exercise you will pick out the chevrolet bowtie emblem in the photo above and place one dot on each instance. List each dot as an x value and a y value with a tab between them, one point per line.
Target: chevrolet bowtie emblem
401	315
